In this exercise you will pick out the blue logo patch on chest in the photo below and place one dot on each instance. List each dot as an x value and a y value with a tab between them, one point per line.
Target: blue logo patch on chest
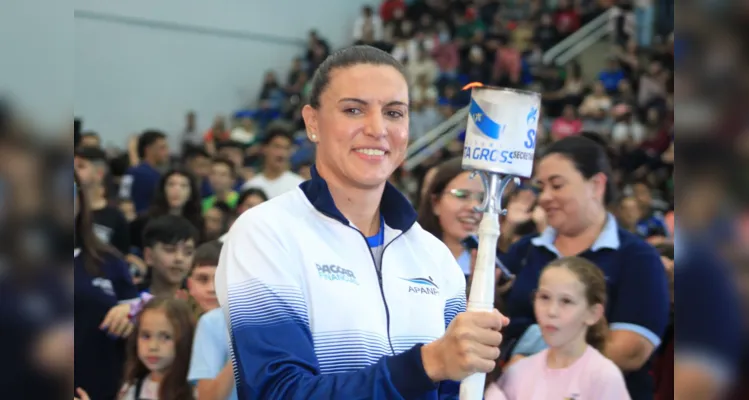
422	286
336	273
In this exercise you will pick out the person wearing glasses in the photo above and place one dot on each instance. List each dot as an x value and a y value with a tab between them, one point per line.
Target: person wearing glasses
447	210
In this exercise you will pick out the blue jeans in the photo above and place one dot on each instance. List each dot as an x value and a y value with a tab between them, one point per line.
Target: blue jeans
645	17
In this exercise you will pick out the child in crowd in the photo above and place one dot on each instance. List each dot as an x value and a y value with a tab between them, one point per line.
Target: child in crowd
159	351
169	247
200	283
210	367
569	306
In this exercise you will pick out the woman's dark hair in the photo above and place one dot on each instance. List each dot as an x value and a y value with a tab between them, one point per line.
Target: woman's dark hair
589	158
251	192
595	293
93	250
446	172
173	386
348	57
192	210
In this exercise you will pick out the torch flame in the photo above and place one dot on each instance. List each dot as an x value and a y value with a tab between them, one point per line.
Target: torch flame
472	85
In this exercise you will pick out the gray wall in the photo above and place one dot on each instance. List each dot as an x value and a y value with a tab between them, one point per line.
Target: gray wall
36	60
127	65
144	63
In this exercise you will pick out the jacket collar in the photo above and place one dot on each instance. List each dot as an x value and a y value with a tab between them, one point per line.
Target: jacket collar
396	210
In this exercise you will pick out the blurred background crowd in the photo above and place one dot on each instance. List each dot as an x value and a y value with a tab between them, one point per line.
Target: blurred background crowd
165	199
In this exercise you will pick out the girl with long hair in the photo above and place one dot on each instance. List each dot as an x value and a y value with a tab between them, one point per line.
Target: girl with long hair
177	194
158	354
569	306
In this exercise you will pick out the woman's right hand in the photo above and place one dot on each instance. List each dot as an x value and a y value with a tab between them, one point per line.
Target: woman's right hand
470	345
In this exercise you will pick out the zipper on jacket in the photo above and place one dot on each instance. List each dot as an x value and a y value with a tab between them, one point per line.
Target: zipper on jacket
379	280
379	274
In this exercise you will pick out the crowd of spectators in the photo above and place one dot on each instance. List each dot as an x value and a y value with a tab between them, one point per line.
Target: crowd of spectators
165	211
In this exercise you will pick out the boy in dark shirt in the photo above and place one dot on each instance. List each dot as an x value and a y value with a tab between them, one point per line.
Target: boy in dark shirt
110	225
139	182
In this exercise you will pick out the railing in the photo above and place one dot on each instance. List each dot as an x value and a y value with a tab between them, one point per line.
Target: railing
577	42
437	138
434	140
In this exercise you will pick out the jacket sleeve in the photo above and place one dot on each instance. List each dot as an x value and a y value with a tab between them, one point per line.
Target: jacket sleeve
262	291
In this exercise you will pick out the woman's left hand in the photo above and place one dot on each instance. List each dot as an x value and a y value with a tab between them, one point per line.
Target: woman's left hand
117	321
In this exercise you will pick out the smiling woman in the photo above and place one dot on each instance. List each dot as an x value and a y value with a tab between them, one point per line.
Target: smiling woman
575	183
302	277
358	118
447	209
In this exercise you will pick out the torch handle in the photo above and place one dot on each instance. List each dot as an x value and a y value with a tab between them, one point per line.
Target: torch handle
481	297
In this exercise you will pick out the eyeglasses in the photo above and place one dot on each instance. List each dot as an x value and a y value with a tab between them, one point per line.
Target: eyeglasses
463	194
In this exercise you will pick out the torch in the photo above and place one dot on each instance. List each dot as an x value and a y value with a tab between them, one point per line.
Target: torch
500	143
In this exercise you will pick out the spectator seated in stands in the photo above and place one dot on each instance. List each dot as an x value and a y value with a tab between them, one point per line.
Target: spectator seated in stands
568	124
244	131
595	109
271	91
424	65
627	131
566	18
546	34
368	24
424	112
222	181
625	95
611	76
141	180
216	134
275	177
507	64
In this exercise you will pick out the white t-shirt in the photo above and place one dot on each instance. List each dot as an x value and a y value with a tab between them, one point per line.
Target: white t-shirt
148	391
287	181
242	135
622	131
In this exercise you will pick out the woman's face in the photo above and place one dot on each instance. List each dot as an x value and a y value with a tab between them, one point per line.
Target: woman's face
177	190
361	125
454	207
565	195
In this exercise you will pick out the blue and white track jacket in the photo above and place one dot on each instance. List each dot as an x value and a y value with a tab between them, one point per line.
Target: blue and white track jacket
309	315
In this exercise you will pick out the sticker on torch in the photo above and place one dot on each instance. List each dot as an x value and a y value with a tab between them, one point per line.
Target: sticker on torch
501	131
